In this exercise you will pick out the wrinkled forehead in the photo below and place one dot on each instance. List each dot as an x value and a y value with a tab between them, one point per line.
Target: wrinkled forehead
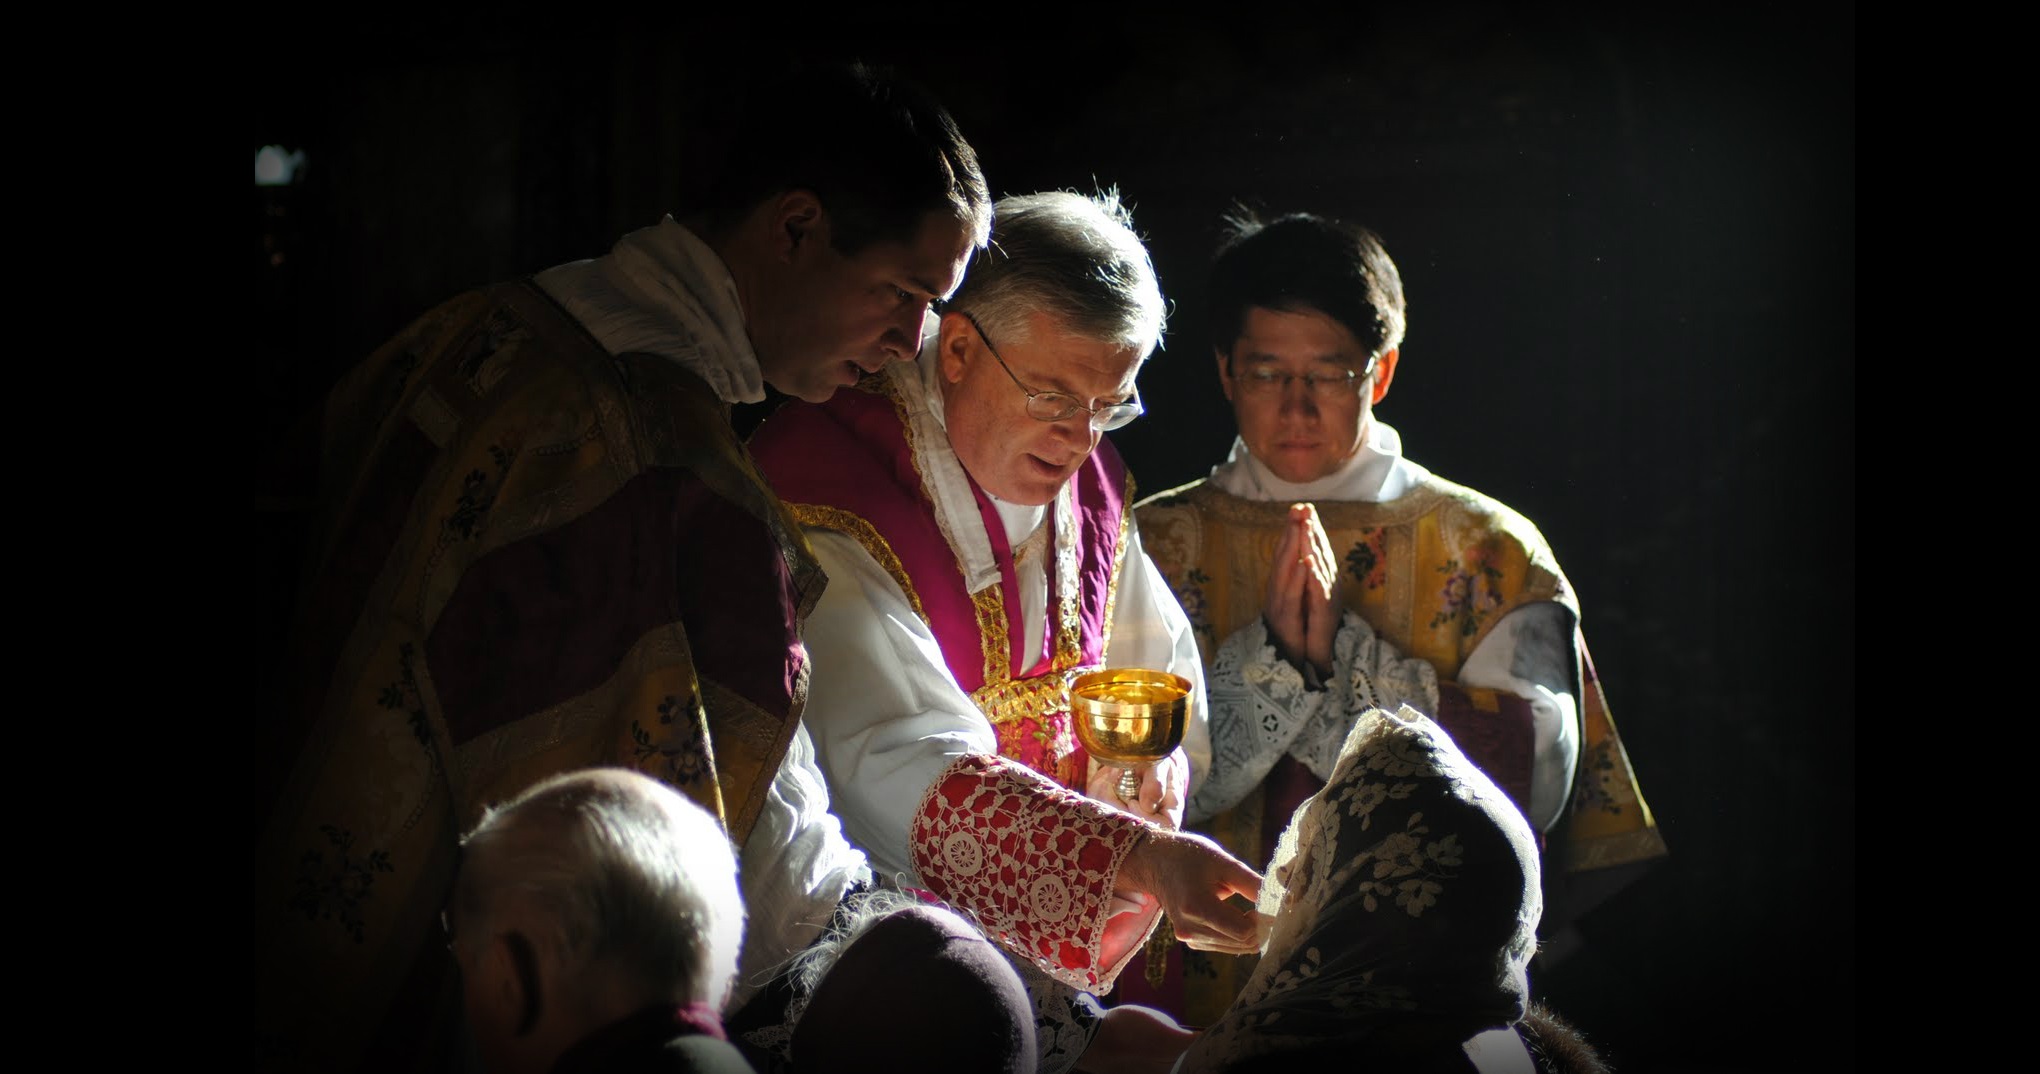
1082	366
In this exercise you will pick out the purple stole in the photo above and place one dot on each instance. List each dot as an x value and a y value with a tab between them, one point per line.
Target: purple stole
848	465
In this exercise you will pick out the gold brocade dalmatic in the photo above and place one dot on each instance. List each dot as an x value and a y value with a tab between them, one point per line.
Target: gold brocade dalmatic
1432	572
523	542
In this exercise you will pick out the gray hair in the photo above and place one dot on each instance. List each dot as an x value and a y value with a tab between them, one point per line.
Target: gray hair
1073	257
633	877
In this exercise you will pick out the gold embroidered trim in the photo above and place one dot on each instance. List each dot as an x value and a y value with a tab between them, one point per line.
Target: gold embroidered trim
991	617
822	516
1118	564
1018	699
1348	514
1608	851
1069	607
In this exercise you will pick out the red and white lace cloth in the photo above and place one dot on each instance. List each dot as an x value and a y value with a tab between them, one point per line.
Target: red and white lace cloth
1034	863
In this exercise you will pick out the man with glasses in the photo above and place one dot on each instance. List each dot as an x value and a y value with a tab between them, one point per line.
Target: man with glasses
977	533
1326	573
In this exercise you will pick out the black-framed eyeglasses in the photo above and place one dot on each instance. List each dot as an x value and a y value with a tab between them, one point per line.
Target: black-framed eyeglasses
1061	406
1263	380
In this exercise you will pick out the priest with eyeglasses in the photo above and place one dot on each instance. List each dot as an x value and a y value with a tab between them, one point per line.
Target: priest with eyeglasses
978	533
1328	574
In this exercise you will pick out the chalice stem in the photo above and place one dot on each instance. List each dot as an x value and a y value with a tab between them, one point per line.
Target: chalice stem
1129	785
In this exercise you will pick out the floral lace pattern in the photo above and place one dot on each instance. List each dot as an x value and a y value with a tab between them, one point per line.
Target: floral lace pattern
1032	862
1065	1018
1261	709
1407	886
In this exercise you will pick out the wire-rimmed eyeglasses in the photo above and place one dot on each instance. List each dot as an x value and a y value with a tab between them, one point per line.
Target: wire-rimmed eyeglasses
1265	380
1060	406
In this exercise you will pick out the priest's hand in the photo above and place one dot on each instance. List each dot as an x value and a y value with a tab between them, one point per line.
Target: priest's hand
1301	607
1193	879
1161	789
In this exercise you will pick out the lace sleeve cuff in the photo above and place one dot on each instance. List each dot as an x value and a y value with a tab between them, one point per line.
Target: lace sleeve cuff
1034	863
1367	673
1259	703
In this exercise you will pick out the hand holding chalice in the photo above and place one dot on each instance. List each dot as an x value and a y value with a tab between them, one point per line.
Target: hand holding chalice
1131	718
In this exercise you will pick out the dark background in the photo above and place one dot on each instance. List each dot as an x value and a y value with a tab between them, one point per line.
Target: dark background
1628	242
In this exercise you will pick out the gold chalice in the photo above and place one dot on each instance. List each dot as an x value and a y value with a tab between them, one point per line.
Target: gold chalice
1132	718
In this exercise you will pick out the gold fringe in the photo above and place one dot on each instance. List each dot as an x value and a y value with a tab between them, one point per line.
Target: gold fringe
1156	953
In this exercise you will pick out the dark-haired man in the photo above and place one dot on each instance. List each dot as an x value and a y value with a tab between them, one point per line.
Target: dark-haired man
1326	574
541	547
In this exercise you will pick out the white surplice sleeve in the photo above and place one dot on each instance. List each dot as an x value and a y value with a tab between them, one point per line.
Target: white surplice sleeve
917	779
886	716
794	869
1531	653
1262	708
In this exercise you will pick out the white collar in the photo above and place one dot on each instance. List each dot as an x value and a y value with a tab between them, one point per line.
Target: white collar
1376	473
662	290
956	510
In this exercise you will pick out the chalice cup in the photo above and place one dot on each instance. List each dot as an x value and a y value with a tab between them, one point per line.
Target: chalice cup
1132	718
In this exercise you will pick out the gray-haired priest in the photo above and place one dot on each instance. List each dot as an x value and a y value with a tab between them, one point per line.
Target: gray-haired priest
980	545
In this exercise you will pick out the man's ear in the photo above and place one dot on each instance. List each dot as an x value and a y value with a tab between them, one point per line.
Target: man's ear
952	347
529	986
502	983
1384	371
1225	383
798	223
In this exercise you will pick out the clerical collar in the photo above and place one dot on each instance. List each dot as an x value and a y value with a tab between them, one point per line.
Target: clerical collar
1022	521
1376	473
662	290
